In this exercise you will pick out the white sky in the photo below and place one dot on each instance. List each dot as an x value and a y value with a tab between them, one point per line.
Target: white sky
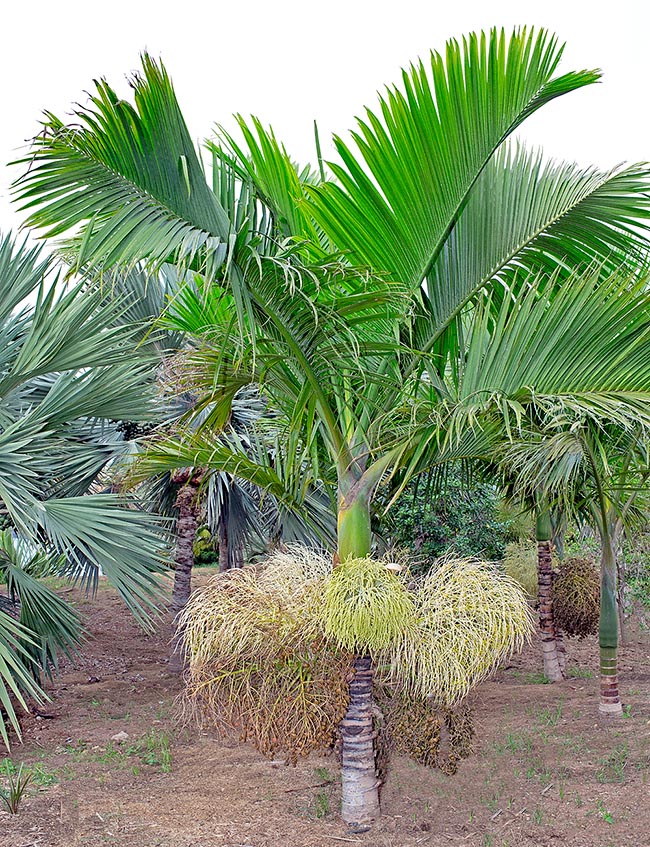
290	61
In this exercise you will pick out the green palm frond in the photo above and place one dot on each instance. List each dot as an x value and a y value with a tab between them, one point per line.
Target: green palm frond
16	682
130	176
419	158
104	534
592	337
278	182
524	217
22	270
55	626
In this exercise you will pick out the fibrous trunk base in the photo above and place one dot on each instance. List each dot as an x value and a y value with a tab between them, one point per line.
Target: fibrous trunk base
185	534
552	661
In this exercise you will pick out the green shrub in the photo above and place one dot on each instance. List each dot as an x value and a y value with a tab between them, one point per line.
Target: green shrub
206	553
464	521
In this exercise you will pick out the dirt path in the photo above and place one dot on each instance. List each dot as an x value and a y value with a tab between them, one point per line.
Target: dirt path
546	770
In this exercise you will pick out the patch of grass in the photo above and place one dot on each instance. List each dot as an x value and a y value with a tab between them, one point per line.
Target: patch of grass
516	742
535	678
42	775
538	816
579	673
152	749
155	751
549	716
322	805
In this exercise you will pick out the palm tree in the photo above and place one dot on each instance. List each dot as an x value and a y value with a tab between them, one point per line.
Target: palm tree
354	361
597	469
68	372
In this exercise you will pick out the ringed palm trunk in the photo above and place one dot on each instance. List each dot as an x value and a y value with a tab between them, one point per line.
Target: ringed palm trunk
610	701
552	666
359	782
186	526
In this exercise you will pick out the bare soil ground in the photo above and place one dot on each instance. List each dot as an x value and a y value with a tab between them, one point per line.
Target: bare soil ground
546	770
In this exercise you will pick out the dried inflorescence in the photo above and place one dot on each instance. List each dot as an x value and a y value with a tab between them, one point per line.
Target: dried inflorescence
576	597
259	662
432	736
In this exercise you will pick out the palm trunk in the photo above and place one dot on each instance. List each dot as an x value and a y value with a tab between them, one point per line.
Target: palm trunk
223	545
620	602
610	701
359	782
617	545
186	526
552	667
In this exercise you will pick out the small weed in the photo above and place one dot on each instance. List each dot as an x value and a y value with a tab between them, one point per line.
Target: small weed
157	751
578	800
538	815
549	716
627	711
324	775
613	766
321	805
604	813
17	785
516	742
77	752
579	673
492	802
41	775
487	840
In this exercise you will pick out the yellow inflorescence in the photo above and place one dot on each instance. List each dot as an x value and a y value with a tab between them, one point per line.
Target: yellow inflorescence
366	606
469	617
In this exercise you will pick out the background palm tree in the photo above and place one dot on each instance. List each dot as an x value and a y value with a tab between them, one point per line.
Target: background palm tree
68	371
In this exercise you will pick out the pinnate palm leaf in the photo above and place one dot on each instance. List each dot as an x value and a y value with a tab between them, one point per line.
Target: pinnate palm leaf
130	176
420	157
